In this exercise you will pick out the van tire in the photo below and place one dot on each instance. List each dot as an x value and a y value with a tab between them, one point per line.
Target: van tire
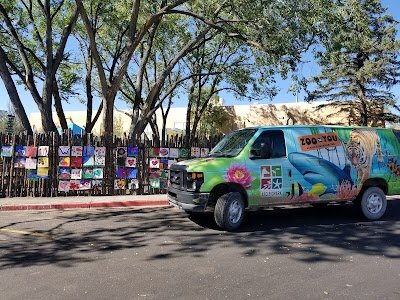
372	203
229	211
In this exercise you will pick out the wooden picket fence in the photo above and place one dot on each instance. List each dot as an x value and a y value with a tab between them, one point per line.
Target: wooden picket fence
15	182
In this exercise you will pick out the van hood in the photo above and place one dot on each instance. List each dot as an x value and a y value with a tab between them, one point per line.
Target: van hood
206	164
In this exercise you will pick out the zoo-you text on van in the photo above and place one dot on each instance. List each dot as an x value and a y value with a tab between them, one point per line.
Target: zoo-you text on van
269	166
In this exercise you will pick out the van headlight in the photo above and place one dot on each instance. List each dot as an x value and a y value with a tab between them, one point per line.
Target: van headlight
194	181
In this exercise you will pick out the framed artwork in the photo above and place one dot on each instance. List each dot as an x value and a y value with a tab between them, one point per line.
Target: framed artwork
31	151
88	161
42	172
87	173
173	152
155	183
133	151
76	151
98	173
154	152
43	162
76	173
154	163
100	151
63	186
85	184
20	151
133	184
64	161
6	151
64	173
76	162
164	152
130	162
126	173
195	152
43	151
88	151
97	185
30	163
119	184
32	175
19	162
100	161
122	151
74	185
64	151
204	152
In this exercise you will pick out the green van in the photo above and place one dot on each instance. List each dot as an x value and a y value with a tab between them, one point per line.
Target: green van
286	165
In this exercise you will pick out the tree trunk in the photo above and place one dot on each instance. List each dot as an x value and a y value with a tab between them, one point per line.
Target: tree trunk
13	94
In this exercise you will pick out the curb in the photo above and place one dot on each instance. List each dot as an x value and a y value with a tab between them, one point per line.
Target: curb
130	203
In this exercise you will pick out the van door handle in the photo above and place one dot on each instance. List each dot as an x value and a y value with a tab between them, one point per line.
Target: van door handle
290	173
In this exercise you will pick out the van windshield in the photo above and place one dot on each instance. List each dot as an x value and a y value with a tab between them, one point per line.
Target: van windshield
233	143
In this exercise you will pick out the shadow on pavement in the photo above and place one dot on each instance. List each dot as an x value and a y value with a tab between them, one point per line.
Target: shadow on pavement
307	234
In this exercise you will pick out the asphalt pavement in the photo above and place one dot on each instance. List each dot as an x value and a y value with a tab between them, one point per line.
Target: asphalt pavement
37	203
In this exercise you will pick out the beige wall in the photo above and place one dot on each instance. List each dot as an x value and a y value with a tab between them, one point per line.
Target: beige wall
239	116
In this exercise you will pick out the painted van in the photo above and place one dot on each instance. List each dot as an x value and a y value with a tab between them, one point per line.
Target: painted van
286	165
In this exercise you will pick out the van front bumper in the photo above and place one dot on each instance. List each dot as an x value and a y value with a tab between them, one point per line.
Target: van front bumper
188	201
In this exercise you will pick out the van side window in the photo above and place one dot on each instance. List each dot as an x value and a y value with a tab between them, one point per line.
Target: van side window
270	144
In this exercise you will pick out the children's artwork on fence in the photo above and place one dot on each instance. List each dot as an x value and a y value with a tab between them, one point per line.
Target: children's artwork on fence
6	151
171	162
76	173
195	152
164	174
20	151
163	184
126	173
63	186
133	184
100	161
32	175
119	184
97	185
43	162
43	151
76	162
164	152
173	152
19	162
31	151
85	184
154	173
122	152
31	163
87	173
43	173
163	164
100	151
133	151
204	152
130	162
64	151
76	151
88	161
64	161
154	183
98	173
88	151
183	153
64	173
74	185
154	163
154	152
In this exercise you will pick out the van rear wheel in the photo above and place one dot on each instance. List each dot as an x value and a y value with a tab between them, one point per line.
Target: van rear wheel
229	211
373	203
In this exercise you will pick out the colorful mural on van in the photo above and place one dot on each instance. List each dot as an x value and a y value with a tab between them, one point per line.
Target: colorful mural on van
321	164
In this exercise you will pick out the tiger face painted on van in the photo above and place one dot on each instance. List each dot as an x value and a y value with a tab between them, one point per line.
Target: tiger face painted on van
362	146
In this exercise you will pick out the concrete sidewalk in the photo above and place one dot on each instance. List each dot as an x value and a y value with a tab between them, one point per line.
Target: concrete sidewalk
35	203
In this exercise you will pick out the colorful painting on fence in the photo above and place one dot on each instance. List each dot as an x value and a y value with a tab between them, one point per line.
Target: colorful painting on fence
6	151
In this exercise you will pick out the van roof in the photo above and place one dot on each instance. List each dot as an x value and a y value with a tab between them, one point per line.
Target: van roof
312	126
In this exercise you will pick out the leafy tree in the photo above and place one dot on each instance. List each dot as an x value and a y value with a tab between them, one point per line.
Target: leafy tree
360	64
33	37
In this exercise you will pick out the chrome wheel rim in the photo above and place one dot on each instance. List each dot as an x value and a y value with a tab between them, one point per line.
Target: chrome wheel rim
235	212
374	203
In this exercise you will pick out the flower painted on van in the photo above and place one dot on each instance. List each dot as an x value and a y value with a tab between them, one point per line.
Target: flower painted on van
239	174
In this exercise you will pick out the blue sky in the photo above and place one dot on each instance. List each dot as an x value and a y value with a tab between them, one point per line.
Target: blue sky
283	96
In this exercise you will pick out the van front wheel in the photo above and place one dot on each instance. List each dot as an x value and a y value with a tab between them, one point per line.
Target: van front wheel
229	211
373	203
